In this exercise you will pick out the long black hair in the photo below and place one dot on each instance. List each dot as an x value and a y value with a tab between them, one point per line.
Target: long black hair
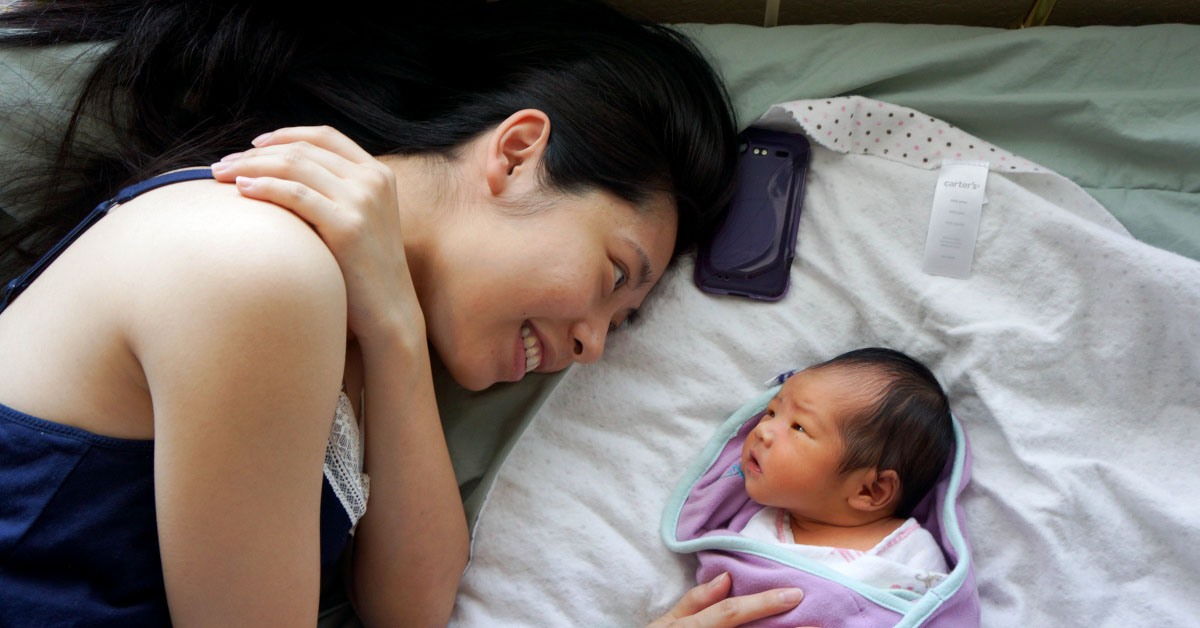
634	108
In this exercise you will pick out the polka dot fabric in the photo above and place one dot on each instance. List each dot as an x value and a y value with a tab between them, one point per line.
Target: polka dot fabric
853	124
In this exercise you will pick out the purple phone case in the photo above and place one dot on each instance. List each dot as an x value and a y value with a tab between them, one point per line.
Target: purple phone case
750	253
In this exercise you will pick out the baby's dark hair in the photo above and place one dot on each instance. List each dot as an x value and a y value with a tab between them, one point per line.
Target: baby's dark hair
907	428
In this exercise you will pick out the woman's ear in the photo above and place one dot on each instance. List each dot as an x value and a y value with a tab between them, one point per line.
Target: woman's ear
514	150
875	490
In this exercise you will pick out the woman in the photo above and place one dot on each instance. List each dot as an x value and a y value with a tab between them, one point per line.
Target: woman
507	182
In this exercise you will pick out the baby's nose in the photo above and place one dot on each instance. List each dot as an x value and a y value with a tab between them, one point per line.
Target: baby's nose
765	434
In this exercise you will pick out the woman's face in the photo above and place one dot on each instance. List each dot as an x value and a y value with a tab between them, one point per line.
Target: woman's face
518	293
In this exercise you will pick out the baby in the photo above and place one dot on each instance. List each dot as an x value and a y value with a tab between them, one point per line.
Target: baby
841	456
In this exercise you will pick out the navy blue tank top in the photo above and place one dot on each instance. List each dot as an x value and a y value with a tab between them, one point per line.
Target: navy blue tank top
78	533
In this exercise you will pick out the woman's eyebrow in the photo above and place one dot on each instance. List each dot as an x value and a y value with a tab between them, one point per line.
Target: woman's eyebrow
644	275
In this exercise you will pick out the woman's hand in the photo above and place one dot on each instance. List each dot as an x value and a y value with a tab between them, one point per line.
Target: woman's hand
706	606
350	198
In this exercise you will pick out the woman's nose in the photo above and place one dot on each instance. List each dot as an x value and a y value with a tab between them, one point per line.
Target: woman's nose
588	341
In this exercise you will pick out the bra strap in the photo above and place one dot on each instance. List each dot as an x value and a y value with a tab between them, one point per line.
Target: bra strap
18	285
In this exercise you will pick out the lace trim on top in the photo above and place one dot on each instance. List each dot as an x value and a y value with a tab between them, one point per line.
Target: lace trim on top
344	461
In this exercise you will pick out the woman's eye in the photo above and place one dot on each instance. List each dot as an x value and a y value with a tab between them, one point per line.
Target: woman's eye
619	276
629	320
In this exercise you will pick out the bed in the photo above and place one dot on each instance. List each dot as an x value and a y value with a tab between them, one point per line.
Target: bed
1071	355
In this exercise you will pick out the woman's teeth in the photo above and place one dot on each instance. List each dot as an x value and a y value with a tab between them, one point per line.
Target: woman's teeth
533	352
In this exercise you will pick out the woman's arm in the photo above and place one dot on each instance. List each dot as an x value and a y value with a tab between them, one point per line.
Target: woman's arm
412	545
237	317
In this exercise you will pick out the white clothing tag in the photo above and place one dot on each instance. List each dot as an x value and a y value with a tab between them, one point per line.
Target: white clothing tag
954	221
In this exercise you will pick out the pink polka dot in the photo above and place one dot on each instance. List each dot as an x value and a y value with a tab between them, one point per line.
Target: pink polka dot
877	140
1003	158
857	123
901	123
917	147
958	155
939	131
880	105
843	108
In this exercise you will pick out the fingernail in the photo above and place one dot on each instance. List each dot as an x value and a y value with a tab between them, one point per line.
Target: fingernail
244	182
219	166
715	582
791	596
231	157
260	139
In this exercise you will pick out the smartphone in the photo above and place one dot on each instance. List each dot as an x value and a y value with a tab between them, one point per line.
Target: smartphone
750	252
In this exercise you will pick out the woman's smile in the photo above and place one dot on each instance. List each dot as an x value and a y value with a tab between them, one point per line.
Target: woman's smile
530	351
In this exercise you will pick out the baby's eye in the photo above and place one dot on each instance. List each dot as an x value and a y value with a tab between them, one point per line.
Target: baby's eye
797	427
619	276
771	413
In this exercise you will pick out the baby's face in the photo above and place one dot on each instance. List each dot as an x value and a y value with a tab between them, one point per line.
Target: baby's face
792	457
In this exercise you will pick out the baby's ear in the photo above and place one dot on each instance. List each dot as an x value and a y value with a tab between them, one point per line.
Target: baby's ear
876	490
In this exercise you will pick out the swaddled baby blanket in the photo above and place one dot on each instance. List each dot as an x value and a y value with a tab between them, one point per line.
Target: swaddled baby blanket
710	507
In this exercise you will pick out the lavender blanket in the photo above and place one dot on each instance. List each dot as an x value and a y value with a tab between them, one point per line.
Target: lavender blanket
710	506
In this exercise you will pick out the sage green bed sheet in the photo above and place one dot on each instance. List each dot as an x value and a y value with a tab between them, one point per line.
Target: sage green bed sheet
1115	109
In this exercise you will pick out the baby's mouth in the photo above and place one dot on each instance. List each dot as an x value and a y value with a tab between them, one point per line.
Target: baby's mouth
752	463
533	350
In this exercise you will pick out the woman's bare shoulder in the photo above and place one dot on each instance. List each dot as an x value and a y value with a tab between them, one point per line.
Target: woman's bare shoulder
207	234
190	277
200	245
213	221
186	244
